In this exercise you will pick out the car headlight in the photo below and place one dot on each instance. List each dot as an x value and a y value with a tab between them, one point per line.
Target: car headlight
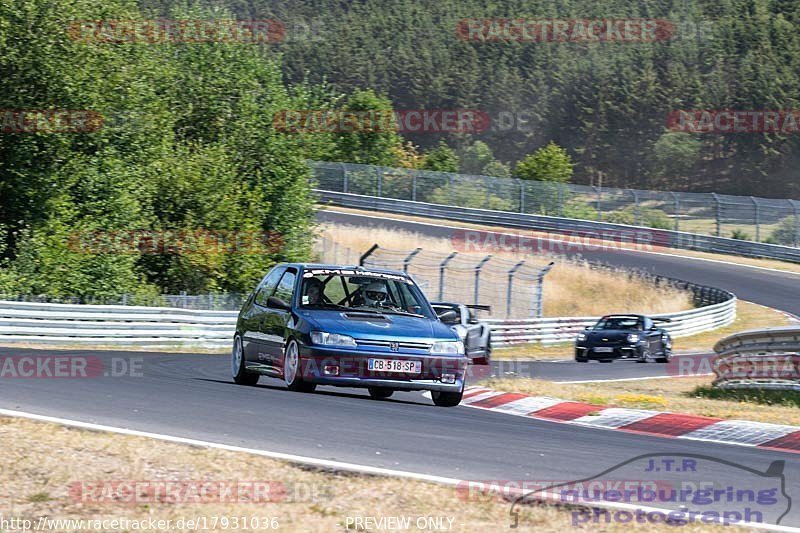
448	348
581	336
331	339
633	337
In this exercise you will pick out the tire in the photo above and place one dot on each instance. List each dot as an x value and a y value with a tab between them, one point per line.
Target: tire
581	360
667	354
292	374
606	360
644	357
380	394
447	399
240	375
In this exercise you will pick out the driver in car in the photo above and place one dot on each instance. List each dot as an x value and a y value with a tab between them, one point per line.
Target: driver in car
313	292
376	295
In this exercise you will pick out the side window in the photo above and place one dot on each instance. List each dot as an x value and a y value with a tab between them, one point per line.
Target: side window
266	289
286	286
648	323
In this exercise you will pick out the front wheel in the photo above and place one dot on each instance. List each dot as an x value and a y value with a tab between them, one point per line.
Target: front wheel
240	375
379	393
292	373
447	399
667	353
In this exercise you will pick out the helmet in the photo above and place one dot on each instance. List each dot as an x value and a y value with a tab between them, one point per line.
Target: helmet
375	294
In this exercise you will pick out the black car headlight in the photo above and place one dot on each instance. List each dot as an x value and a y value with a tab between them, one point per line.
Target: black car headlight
581	337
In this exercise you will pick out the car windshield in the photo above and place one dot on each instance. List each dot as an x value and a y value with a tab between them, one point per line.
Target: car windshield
373	292
620	322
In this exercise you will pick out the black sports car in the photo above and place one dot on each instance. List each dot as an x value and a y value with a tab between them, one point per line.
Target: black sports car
624	337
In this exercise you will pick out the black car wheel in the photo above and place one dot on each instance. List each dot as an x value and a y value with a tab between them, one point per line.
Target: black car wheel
581	359
447	399
292	373
240	375
644	355
379	393
606	360
667	353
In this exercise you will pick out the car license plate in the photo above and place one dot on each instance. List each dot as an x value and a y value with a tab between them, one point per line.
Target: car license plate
603	350
394	365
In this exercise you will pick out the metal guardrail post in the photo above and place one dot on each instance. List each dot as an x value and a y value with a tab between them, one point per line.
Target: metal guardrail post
442	267
344	178
757	217
796	222
366	254
718	213
409	258
676	210
560	208
379	172
488	192
636	207
599	207
537	311
478	277
510	283
450	189
414	186
521	196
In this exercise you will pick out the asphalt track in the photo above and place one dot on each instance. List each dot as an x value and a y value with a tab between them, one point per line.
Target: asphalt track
192	396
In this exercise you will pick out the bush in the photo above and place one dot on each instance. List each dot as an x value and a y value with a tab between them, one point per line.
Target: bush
785	232
469	197
549	163
648	217
741	235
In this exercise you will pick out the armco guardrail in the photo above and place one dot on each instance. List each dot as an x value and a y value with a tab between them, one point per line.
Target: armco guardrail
759	359
640	236
44	323
559	330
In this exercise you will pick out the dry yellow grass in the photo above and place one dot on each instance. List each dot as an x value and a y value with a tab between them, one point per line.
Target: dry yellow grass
570	289
748	316
761	263
41	461
674	395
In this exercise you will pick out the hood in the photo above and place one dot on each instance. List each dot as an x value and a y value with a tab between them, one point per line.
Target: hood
386	327
613	335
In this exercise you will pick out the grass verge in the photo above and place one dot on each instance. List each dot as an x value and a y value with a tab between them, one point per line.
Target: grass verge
689	395
748	316
42	463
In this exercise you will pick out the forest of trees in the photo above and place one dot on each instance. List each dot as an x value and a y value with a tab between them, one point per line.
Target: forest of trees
607	103
188	144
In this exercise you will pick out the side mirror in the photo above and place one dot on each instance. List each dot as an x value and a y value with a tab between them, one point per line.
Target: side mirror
449	317
653	328
277	303
587	328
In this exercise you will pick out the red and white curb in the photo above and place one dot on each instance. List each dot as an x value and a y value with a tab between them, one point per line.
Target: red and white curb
672	425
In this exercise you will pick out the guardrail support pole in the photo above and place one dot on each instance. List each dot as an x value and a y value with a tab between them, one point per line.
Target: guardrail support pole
636	208
510	284
366	254
344	178
409	258
414	186
757	218
718	213
537	310
521	196
478	277
442	267
796	222
379	172
676	210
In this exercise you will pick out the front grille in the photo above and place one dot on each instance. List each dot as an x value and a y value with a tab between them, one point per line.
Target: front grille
401	345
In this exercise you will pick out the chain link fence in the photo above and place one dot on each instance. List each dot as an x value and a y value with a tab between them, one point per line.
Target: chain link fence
741	217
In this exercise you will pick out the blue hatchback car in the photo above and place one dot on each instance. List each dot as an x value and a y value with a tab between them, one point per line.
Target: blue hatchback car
347	326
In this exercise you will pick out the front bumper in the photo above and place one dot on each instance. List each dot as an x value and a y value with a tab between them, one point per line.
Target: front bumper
353	371
624	351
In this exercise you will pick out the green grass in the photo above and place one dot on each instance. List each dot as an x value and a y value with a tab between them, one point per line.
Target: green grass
764	397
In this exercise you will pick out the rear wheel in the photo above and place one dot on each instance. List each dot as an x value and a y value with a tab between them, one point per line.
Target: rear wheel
666	347
644	356
379	393
240	375
292	373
